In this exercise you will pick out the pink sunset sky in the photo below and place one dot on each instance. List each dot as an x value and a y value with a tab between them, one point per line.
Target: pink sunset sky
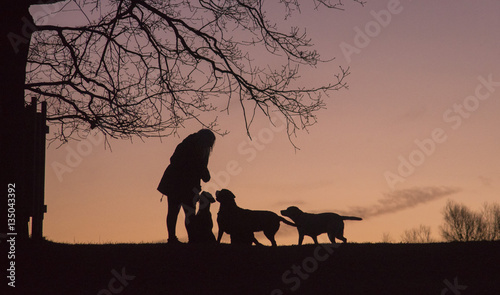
418	126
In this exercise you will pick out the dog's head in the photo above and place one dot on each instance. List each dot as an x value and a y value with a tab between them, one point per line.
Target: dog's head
225	197
292	212
205	198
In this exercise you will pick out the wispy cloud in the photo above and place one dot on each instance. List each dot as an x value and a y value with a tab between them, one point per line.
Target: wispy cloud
400	200
486	181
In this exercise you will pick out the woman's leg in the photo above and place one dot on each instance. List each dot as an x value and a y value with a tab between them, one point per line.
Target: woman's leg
174	207
189	207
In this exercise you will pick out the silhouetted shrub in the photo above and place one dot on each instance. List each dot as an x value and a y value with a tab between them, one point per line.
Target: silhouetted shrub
421	234
462	224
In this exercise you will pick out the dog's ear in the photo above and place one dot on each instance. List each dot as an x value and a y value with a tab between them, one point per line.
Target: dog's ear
228	193
207	196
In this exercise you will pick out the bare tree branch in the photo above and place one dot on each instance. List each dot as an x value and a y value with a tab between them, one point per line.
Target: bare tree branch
142	68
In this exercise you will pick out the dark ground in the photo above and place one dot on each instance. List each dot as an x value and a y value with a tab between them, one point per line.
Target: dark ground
441	268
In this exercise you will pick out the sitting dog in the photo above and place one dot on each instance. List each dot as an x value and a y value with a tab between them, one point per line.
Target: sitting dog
242	223
312	225
200	227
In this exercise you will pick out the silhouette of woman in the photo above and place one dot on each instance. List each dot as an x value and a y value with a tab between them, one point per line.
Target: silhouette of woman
181	180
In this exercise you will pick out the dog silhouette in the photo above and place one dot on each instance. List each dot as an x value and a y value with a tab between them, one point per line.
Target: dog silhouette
201	224
313	225
242	223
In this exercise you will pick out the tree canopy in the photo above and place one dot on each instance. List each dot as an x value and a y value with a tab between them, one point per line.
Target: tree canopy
144	67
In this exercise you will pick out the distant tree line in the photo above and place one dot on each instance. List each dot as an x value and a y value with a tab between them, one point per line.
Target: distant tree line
461	224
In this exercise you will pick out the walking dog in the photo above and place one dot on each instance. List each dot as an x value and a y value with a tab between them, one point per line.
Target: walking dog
313	225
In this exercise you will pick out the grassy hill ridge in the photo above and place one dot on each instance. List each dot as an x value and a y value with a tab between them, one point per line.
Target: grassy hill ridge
52	268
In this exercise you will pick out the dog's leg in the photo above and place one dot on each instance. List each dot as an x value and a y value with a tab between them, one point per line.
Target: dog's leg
256	242
301	239
332	238
273	241
219	236
315	239
270	236
340	233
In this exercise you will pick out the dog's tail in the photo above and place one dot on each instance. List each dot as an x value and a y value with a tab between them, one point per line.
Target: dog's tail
351	218
287	222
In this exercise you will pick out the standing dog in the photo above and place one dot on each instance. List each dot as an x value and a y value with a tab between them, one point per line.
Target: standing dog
313	225
242	223
201	224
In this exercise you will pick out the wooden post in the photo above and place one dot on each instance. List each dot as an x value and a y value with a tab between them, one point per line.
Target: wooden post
37	180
